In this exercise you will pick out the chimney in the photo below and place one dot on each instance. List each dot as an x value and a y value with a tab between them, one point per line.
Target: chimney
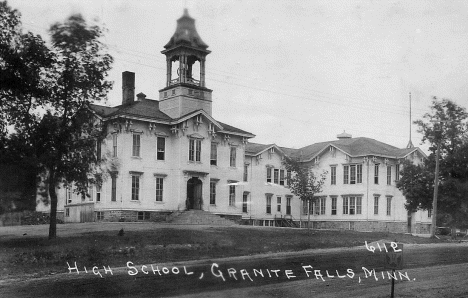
128	87
344	135
141	96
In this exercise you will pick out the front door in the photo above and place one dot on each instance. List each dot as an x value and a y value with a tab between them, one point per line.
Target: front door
194	194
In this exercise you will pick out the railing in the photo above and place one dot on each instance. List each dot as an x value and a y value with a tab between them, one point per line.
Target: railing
190	81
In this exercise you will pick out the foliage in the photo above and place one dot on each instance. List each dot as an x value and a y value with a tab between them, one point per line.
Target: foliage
45	93
304	181
417	181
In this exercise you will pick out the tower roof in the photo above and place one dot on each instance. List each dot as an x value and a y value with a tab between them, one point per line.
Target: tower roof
186	34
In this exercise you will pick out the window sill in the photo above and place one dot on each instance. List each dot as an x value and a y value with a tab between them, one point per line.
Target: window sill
135	201
136	157
160	160
159	202
233	168
194	162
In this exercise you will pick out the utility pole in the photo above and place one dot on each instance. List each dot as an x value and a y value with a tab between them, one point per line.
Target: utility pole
436	180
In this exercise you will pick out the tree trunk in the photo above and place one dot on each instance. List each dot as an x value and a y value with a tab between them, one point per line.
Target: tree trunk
53	206
308	214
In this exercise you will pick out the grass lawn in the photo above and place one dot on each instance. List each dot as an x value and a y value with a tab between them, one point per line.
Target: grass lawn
155	244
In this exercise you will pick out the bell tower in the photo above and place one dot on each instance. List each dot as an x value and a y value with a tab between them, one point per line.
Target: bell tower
185	89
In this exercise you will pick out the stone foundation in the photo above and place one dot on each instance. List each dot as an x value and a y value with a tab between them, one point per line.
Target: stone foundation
132	216
235	218
421	228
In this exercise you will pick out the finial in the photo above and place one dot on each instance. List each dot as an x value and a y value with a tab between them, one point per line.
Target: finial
186	12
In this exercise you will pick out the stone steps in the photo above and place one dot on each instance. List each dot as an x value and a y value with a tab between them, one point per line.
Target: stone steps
200	217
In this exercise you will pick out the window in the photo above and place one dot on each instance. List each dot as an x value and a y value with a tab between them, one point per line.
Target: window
212	192
322	205
68	195
246	168
276	176
232	195
333	205
389	206
278	202
136	145
352	205
376	174
288	205
268	203
99	215
352	174
358	205
389	175
135	187
214	154
345	174
288	179
98	193
269	175
114	188
114	145
397	172
333	175
244	202
376	205
232	159
67	212
281	177
194	150
359	173
429	213
160	148
144	215
159	189
304	207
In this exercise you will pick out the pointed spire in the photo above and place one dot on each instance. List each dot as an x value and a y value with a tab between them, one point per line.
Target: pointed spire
410	144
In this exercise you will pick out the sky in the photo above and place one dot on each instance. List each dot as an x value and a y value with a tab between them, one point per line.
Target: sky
293	72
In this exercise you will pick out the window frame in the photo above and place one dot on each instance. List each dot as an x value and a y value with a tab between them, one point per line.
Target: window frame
376	173
376	205
389	206
268	203
278	204
346	174
232	195
159	191
232	156
245	197
194	150
334	209
333	175
136	145
214	154
135	188
213	192
160	150
276	176
269	175
389	175
114	145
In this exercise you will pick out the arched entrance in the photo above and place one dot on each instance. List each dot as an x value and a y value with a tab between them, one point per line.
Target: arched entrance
194	194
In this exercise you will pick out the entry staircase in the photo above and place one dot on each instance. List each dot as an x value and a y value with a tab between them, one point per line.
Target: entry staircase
198	217
286	221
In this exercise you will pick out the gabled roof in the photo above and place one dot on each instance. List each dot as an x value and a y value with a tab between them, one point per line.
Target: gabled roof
353	147
234	130
256	149
148	109
357	147
145	108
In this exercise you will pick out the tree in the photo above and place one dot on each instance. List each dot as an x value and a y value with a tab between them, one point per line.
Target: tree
304	182
417	181
53	126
